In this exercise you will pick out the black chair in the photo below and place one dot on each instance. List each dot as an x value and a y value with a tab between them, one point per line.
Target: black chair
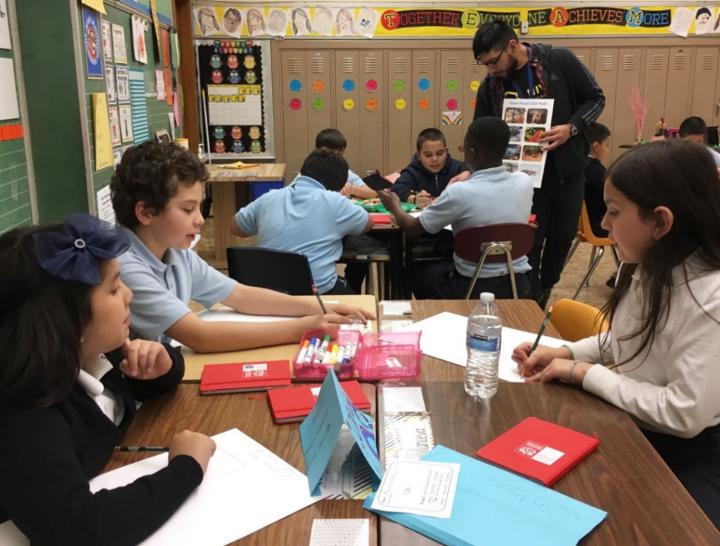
287	272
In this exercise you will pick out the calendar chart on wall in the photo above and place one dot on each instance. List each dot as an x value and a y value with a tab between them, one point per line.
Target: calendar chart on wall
234	80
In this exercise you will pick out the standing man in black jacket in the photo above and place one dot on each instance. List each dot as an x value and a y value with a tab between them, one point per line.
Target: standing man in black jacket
522	70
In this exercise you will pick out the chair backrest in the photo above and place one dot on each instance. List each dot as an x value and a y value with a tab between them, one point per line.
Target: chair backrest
287	272
585	232
575	320
469	243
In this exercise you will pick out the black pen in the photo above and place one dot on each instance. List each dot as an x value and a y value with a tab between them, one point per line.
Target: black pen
140	449
322	305
542	330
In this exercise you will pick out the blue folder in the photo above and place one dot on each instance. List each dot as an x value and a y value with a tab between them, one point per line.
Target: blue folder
493	506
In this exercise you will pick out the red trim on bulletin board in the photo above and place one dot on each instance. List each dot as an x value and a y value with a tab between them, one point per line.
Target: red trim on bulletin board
11	132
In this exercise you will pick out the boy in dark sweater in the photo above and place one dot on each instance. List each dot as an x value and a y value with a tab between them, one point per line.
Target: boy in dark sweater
598	137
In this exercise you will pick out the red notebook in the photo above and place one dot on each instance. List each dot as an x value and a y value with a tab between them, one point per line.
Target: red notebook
539	450
246	376
381	218
293	404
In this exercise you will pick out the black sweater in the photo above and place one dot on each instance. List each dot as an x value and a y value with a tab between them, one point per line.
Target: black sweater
578	100
415	178
48	455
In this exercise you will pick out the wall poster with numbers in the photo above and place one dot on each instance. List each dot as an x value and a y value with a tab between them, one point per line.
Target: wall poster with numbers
235	111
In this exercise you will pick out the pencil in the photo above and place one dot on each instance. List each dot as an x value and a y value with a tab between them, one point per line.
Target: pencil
542	329
322	305
139	449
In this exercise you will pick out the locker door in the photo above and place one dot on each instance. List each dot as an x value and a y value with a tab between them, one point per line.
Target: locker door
347	110
628	76
294	107
703	91
677	99
606	61
655	86
585	56
424	91
474	76
715	119
320	99
452	109
401	141
372	109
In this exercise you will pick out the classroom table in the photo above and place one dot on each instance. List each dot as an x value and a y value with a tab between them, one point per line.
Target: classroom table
194	362
224	208
646	504
185	408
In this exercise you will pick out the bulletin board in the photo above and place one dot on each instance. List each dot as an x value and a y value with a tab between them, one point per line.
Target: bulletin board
234	89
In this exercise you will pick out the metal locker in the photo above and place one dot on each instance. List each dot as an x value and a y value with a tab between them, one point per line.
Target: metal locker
294	111
347	98
372	109
401	141
453	116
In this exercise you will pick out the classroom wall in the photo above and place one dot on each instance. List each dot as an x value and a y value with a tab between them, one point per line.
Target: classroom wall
15	202
417	82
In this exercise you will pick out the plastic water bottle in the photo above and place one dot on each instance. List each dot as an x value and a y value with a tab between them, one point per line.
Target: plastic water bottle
484	332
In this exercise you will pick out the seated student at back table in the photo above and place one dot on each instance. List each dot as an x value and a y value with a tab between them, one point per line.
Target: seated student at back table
310	217
333	139
156	194
490	196
598	137
694	129
64	405
659	360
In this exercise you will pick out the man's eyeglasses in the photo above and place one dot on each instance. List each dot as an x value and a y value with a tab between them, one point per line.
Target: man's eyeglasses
493	62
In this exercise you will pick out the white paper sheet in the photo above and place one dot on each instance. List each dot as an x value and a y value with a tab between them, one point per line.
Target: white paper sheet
418	487
10	535
4	26
403	399
8	92
340	532
246	488
104	205
396	308
443	337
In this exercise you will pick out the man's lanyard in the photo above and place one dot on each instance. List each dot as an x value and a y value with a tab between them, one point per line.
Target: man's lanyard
531	83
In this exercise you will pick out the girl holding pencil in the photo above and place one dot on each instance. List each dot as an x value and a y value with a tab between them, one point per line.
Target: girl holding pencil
660	360
64	405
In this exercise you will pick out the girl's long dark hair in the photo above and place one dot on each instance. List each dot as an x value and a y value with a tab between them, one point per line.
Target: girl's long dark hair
42	319
681	176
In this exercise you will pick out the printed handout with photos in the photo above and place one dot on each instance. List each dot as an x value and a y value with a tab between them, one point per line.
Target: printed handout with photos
528	120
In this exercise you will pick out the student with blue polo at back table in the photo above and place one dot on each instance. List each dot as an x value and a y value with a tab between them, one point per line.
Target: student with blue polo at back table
156	194
333	139
490	196
430	170
310	217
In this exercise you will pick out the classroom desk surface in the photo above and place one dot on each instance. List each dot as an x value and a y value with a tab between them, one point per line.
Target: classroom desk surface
224	208
194	362
185	408
646	504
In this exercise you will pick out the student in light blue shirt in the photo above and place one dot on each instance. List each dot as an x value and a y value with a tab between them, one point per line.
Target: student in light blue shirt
310	217
491	195
333	139
156	194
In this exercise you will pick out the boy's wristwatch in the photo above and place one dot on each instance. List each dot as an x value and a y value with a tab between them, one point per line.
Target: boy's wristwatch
573	129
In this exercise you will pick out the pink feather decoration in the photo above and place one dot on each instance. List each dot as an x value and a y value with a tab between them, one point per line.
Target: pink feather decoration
639	108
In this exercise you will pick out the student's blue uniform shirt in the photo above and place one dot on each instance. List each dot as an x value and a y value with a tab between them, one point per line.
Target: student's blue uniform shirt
304	217
354	179
162	289
489	196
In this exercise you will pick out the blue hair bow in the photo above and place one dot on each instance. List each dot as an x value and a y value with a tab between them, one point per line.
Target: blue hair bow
76	252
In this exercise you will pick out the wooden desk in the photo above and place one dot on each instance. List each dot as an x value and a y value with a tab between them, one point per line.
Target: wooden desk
183	409
646	504
194	362
223	187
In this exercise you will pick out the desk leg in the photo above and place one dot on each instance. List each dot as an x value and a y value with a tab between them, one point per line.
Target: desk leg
224	211
396	265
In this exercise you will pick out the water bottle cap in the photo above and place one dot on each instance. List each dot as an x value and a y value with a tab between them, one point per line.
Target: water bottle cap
487	297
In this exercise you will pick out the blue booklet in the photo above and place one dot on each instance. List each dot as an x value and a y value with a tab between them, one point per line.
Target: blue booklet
319	432
494	506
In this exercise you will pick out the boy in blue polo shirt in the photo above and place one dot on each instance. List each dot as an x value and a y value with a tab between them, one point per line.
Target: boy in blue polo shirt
333	139
490	196
310	217
156	194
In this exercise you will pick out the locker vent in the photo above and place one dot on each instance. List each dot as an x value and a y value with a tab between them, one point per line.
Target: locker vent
707	62
657	62
680	61
317	65
453	65
347	65
607	63
402	65
294	65
422	65
630	62
370	64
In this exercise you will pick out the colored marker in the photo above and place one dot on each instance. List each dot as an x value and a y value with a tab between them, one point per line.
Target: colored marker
323	349
303	351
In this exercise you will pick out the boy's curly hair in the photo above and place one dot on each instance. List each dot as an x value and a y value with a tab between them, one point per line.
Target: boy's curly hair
150	172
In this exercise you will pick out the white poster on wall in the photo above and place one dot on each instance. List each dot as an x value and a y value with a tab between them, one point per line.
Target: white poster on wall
4	26
8	92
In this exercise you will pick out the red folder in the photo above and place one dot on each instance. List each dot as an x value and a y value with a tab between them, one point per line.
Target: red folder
380	218
539	450
293	404
245	376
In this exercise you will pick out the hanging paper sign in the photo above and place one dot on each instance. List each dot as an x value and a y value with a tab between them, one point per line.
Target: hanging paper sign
423	84
92	37
371	85
452	104
295	104
474	85
400	104
452	85
318	86
348	104
318	104
399	84
295	85
348	85
371	105
453	117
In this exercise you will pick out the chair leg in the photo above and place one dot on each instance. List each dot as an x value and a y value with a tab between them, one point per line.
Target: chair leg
591	269
381	281
511	273
593	252
576	243
481	262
